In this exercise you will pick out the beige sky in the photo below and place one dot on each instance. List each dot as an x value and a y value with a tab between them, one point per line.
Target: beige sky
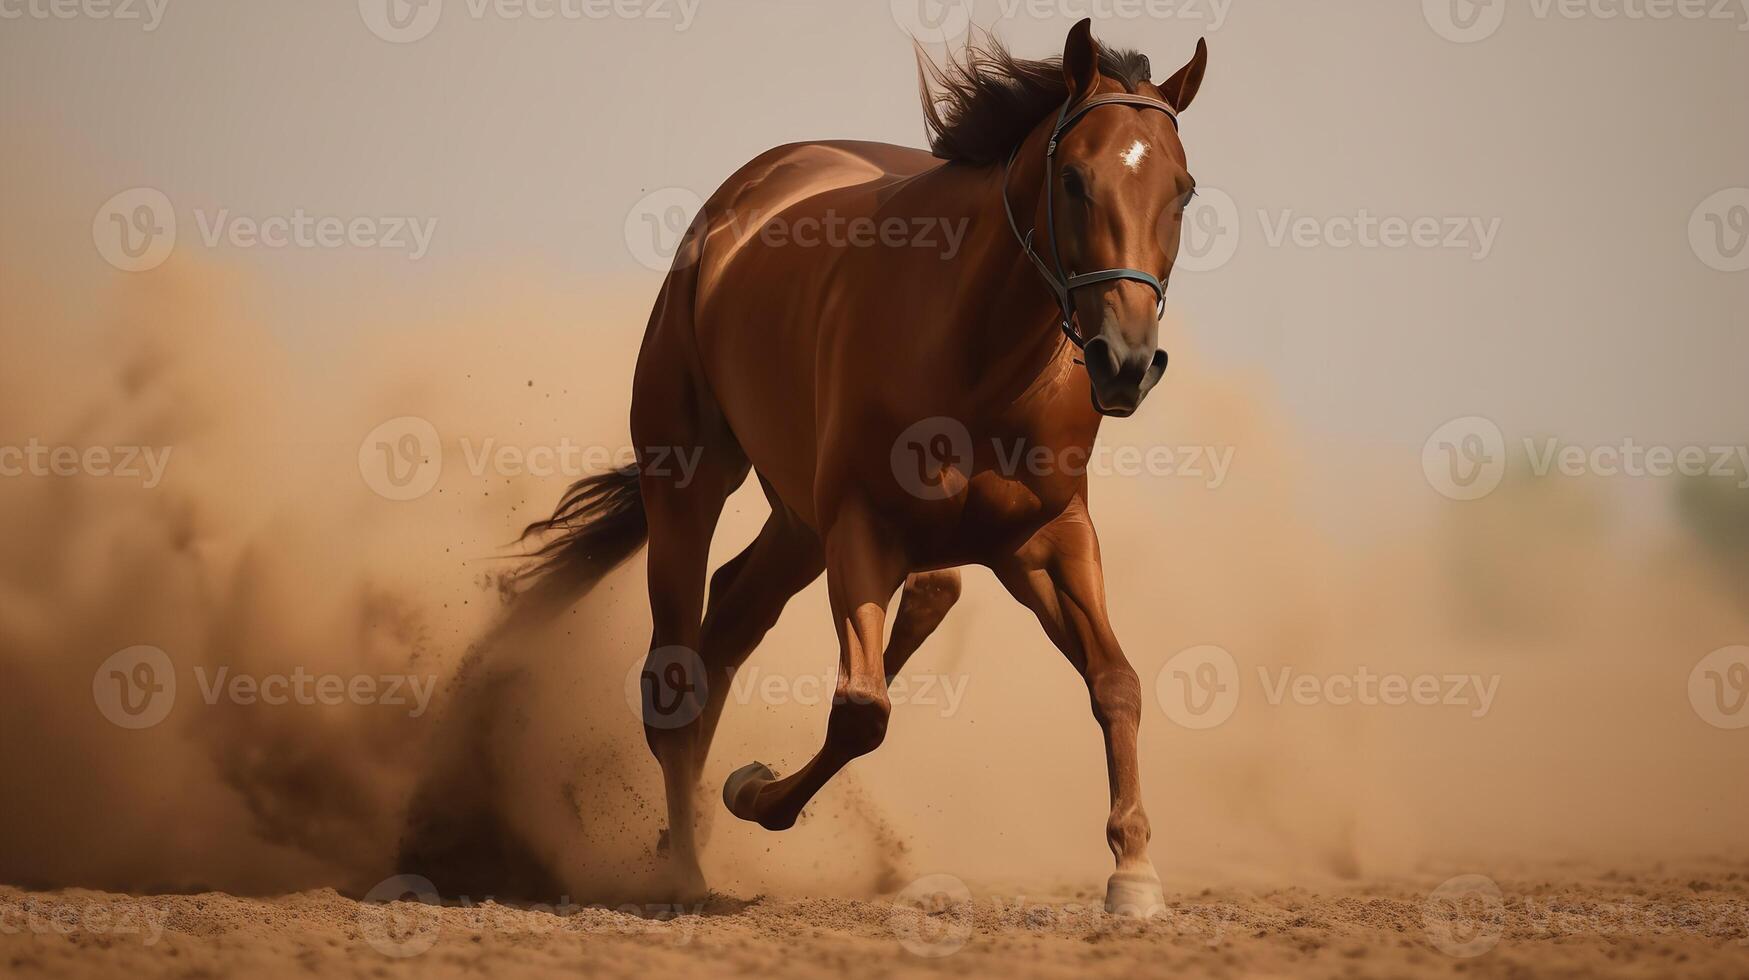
1585	144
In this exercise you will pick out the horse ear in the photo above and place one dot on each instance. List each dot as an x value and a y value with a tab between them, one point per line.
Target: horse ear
1080	60
1181	88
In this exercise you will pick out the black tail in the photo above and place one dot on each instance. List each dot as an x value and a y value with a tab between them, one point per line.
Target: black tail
598	524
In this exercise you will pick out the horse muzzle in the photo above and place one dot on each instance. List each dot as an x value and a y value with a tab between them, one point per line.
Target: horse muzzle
1121	377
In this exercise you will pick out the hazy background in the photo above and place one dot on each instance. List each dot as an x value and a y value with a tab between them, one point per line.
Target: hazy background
535	145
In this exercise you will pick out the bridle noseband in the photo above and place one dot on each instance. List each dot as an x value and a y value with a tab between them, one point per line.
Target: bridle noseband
1060	283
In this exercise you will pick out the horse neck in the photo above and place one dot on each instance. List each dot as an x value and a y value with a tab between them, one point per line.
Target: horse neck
1012	331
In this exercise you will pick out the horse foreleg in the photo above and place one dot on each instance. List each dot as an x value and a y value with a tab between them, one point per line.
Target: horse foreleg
862	573
1057	575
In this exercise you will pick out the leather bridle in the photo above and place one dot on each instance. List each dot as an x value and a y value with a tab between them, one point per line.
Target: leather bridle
1060	283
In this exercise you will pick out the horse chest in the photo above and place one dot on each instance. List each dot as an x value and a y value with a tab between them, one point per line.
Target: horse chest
987	520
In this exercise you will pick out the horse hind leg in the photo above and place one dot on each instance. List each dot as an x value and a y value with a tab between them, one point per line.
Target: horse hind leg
689	462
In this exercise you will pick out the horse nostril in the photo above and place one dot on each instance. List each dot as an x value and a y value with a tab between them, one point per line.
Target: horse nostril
1102	361
1156	369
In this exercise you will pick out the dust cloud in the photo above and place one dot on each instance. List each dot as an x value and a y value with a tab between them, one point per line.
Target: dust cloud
264	552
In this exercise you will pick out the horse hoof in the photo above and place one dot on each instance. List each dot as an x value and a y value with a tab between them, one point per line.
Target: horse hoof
742	786
689	888
1135	895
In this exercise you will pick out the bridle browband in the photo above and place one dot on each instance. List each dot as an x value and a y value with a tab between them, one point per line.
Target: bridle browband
1062	284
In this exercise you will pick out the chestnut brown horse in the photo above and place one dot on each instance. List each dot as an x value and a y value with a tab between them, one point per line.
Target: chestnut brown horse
855	376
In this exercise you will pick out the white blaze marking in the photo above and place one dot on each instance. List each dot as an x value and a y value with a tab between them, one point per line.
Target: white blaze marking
1132	157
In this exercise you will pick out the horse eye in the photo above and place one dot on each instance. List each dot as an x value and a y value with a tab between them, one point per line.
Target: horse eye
1073	184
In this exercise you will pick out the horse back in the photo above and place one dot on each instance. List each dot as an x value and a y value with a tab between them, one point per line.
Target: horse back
769	241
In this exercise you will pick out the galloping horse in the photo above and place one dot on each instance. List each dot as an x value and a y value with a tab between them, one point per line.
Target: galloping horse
817	368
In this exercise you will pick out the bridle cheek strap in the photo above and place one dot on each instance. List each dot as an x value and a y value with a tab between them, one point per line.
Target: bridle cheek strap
1062	285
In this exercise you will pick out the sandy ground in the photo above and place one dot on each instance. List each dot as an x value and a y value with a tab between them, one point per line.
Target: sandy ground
1566	922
